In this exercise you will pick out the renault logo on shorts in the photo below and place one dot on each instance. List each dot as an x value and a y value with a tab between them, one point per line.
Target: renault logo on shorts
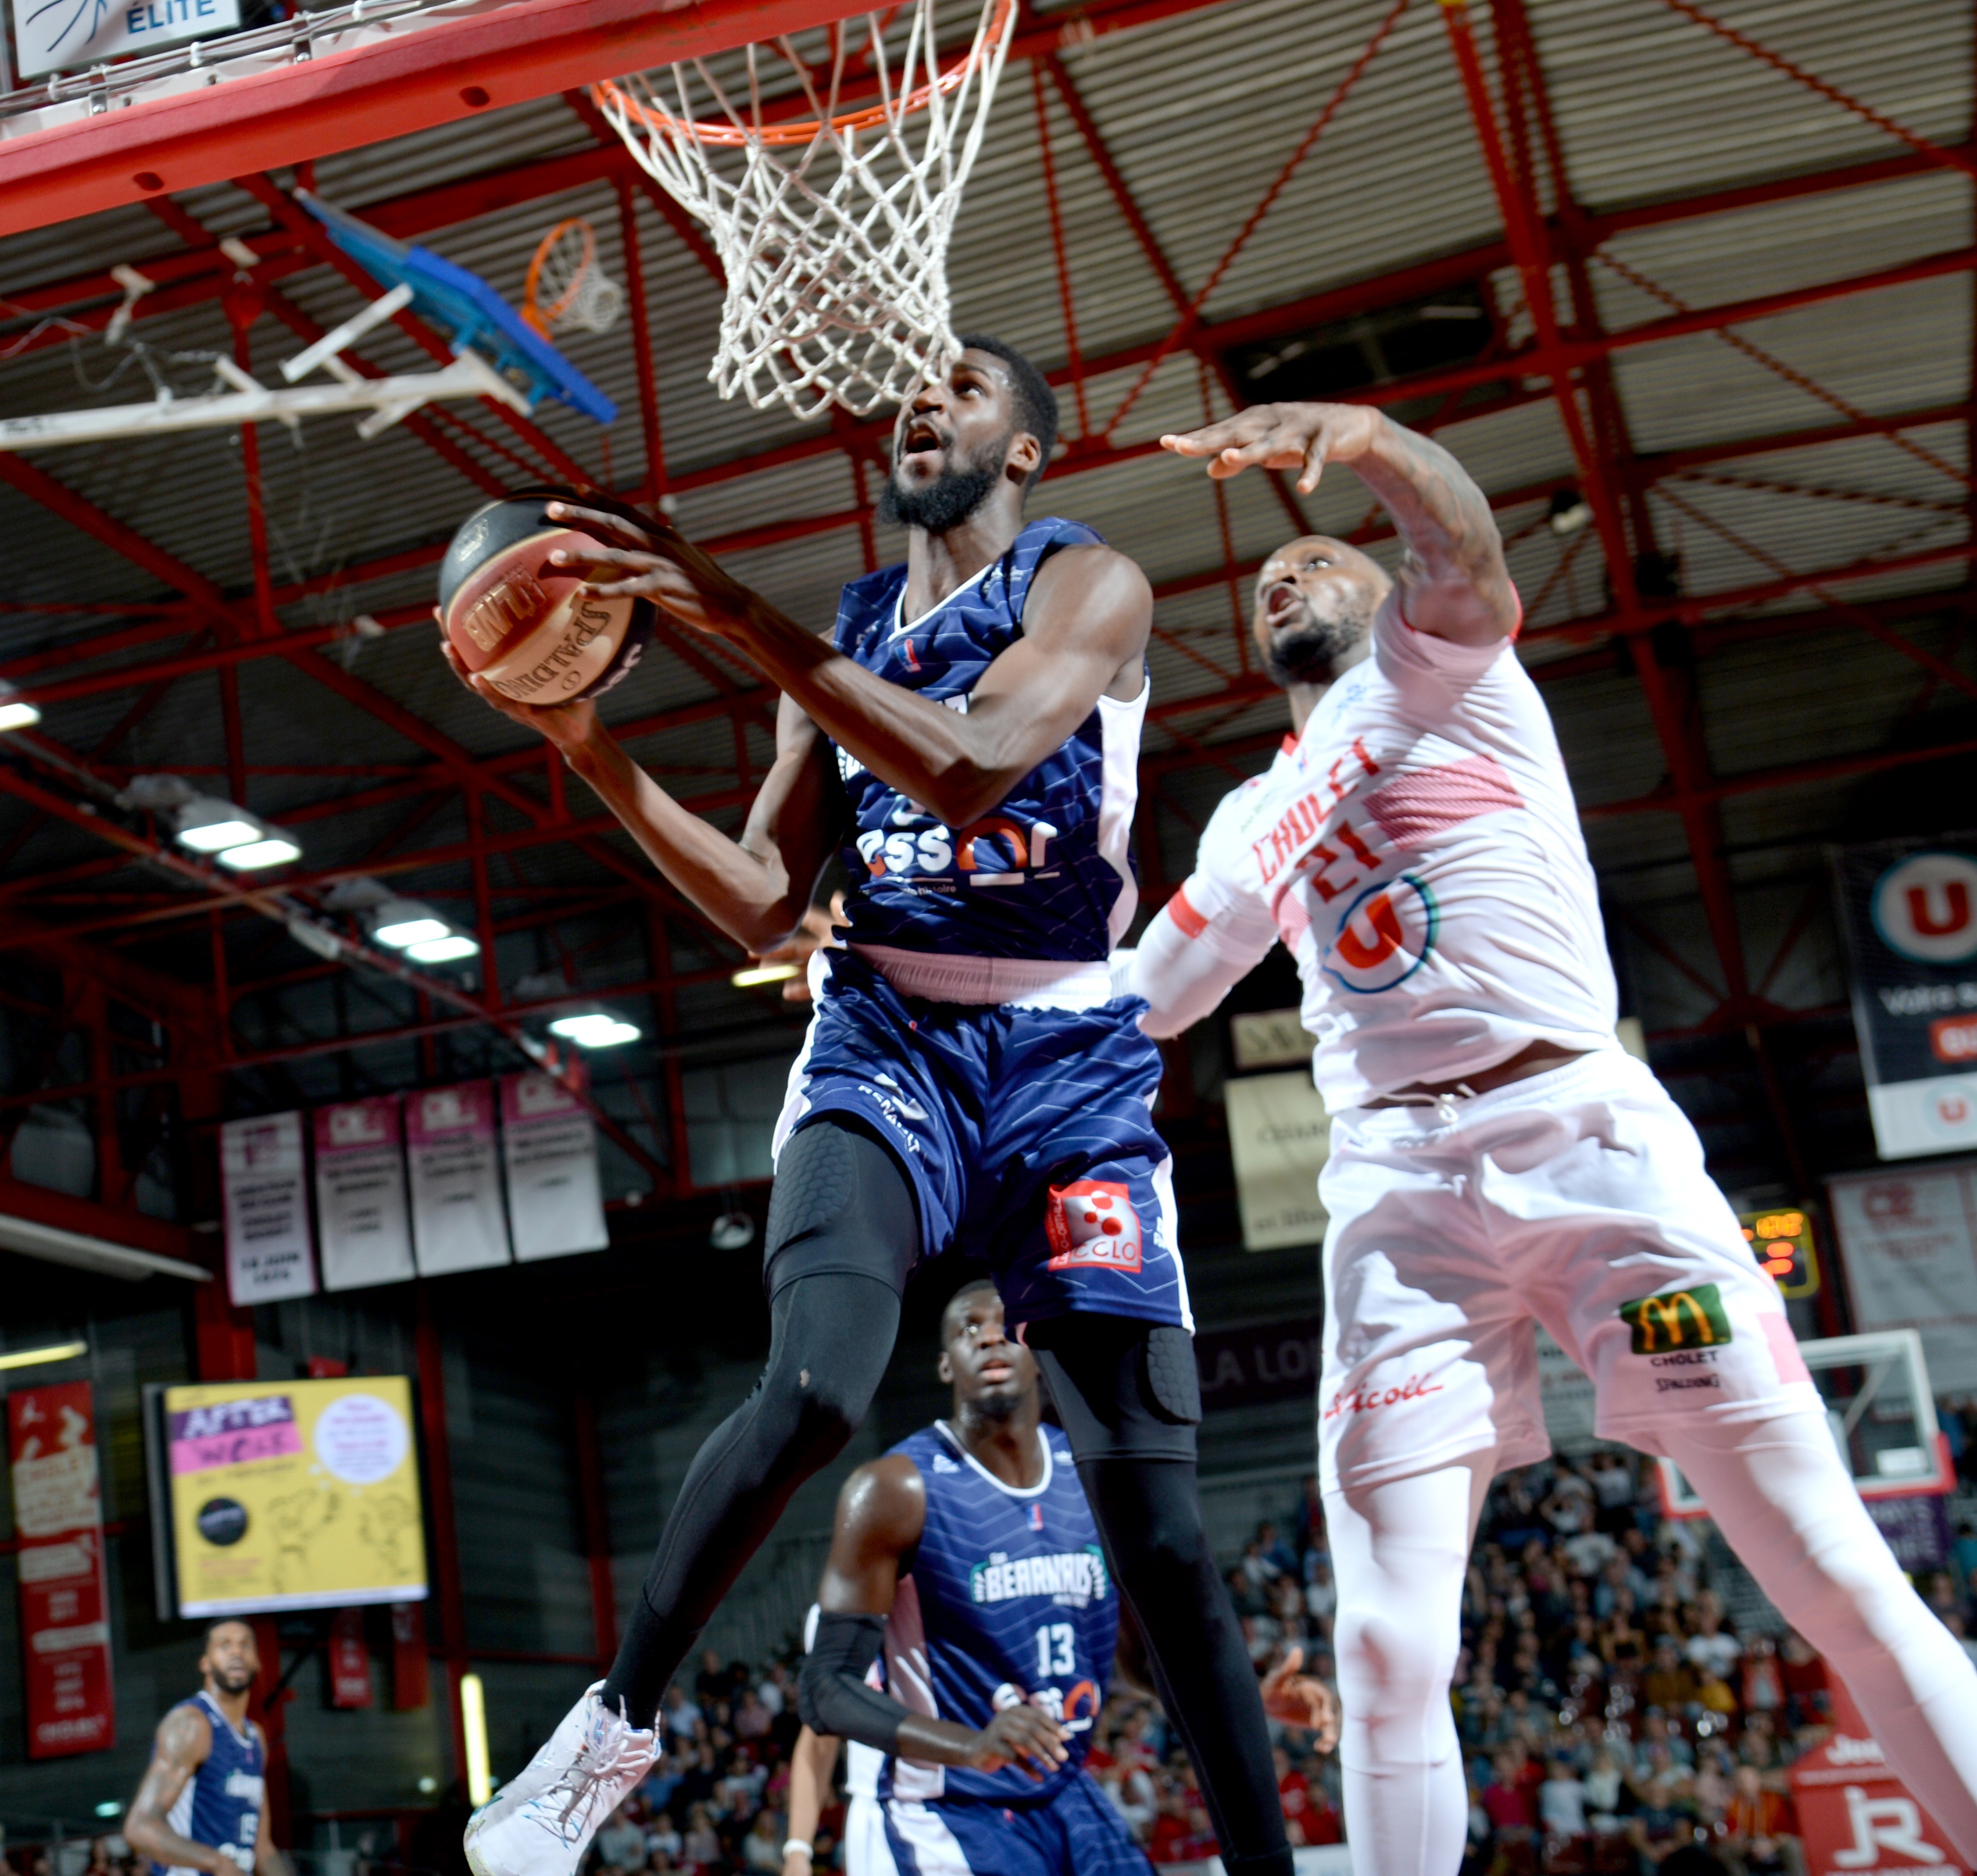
1684	1318
1385	936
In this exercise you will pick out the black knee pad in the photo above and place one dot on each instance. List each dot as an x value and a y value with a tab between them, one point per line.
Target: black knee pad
841	1205
1123	1390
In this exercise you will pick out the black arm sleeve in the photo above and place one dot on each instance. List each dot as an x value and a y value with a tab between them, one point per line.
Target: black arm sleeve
832	1697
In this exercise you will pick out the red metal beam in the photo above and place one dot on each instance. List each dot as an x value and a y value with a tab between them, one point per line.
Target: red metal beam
422	77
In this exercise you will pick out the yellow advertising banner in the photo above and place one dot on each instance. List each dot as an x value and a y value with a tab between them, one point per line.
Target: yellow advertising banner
294	1494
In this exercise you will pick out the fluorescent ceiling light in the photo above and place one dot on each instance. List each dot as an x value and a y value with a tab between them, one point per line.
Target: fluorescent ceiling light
215	837
36	1358
404	933
16	715
442	950
753	975
274	851
596	1029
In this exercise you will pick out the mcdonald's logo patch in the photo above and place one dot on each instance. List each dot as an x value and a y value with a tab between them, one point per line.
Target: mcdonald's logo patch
1684	1318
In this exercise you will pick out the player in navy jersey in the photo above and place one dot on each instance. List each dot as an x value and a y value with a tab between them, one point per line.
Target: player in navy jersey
966	738
199	1806
966	1563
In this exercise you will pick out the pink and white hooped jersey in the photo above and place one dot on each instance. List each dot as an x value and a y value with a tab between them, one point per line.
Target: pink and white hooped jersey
1418	851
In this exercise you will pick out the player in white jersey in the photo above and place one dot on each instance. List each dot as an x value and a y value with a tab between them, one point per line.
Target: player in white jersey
1497	1159
866	1851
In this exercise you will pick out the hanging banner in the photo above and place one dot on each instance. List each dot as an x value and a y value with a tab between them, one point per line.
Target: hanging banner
549	1148
1854	1815
1910	911
1908	1244
1250	1367
294	1494
363	1225
267	1209
456	1219
64	1600
349	1660
1278	1135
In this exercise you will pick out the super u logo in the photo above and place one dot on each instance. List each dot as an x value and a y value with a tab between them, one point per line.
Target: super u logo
1925	908
1385	935
1092	1224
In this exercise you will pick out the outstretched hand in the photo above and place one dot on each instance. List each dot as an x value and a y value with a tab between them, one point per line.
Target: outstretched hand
1304	436
1301	1699
654	562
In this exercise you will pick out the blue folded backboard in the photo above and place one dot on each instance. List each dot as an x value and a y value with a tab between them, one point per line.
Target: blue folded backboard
470	311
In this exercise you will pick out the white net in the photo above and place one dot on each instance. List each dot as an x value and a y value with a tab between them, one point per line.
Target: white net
566	289
832	223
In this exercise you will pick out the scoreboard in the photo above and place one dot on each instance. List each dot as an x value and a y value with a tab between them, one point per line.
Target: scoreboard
1782	1241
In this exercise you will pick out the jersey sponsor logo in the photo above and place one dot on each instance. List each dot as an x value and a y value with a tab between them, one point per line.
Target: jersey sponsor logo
1075	1708
1385	935
244	1784
994	851
1348	1401
1073	1577
1091	1224
1694	1318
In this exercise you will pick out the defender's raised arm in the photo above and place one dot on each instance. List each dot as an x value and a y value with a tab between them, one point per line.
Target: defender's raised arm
1453	582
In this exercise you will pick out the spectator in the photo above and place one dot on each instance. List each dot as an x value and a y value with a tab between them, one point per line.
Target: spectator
701	1847
1670	1683
682	1716
1661	1825
1712	1649
621	1843
661	1840
710	1684
1606	1789
1321	1593
1561	1801
1276	1552
1763	1681
762	1848
1568	1508
777	1693
1954	1622
1612	1481
1507	1802
1755	1825
1804	1676
1294	1795
1308	1526
752	1719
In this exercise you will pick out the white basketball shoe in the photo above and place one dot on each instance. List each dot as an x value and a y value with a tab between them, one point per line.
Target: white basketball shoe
540	1823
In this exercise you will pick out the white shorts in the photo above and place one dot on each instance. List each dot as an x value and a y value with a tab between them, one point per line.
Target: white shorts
1577	1199
867	1850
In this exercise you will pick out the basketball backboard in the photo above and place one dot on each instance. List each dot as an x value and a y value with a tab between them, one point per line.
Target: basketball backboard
1882	1416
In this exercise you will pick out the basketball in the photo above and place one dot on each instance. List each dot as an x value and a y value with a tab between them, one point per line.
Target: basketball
525	623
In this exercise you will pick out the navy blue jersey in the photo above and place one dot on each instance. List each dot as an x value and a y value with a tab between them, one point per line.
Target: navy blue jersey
1009	1599
221	1803
1049	872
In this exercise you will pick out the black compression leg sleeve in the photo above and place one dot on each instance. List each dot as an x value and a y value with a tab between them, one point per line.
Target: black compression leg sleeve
1128	1416
840	1244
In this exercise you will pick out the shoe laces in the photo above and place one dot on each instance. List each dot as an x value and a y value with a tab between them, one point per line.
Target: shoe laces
597	1762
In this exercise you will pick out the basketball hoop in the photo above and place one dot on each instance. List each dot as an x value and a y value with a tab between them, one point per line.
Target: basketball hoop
832	225
565	289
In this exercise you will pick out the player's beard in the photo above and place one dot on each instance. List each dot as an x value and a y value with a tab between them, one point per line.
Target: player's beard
998	1404
232	1681
1310	654
950	498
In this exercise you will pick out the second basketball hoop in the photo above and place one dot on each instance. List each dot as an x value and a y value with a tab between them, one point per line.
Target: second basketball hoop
829	168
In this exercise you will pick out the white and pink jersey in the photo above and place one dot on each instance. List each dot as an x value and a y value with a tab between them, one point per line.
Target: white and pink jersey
1418	851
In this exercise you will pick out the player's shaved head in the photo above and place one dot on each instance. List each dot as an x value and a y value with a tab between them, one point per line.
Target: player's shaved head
1316	599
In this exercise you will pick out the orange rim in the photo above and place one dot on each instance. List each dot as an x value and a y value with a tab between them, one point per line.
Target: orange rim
735	136
541	317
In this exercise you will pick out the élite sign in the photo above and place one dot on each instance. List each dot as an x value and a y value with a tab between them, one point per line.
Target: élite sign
65	35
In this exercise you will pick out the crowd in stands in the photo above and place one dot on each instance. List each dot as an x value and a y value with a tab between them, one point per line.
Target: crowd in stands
1611	1714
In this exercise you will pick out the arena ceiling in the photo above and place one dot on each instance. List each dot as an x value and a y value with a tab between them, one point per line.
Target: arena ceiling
1687	289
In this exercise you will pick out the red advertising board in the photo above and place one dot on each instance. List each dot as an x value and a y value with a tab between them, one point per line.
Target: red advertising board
64	1606
1856	1817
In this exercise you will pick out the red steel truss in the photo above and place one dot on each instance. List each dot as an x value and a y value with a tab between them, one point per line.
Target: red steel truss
196	628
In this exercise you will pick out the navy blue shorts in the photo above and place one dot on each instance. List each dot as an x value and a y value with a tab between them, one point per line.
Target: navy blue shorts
1028	1135
1076	1833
